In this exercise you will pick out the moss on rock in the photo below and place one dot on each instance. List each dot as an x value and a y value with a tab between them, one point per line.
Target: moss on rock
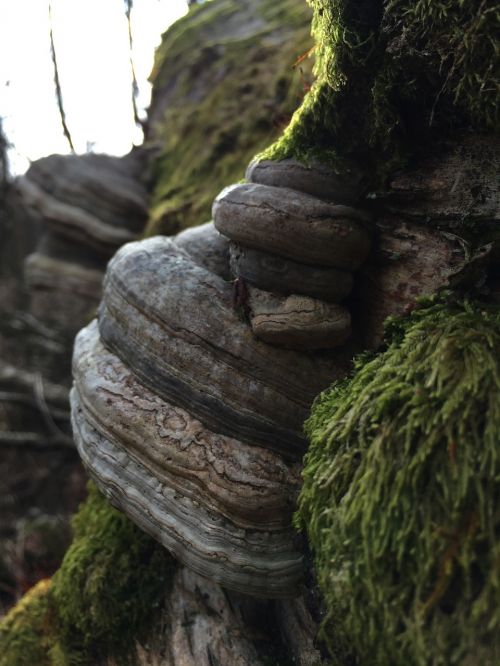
392	75
111	582
401	495
224	87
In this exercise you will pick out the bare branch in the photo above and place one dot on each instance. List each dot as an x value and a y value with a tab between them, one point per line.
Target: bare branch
135	86
33	439
46	414
58	84
4	169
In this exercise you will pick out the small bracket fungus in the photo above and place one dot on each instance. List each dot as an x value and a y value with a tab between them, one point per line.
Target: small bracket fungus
294	236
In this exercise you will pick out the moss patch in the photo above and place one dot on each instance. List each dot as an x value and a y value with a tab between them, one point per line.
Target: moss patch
392	76
110	584
224	87
25	632
401	495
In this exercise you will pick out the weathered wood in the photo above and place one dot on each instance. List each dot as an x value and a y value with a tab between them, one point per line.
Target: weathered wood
458	185
299	632
408	261
204	625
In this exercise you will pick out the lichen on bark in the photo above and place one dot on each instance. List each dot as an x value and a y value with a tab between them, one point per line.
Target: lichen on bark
401	494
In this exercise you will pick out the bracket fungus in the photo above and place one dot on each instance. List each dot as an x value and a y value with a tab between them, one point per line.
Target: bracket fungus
189	422
296	239
88	205
95	199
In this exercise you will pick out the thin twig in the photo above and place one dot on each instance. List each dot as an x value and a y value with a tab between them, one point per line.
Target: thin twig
26	399
45	412
135	86
58	84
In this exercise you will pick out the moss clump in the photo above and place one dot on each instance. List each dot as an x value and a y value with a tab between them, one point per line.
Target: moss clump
224	87
111	582
392	75
26	631
401	495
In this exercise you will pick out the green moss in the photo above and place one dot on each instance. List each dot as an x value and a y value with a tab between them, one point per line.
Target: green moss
392	76
233	89
25	632
111	583
401	495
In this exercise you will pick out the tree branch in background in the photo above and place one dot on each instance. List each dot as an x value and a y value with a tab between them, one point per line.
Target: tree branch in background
135	87
4	170
58	84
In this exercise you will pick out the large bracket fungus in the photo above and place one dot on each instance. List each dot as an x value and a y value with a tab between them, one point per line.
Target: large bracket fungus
191	390
189	422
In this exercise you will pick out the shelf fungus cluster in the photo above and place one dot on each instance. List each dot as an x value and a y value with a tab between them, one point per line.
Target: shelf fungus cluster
295	242
184	415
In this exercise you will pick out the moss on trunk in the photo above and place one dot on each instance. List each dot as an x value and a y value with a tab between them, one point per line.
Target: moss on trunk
401	494
392	76
224	88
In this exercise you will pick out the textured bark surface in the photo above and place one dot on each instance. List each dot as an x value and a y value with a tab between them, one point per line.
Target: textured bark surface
203	624
431	224
408	261
459	184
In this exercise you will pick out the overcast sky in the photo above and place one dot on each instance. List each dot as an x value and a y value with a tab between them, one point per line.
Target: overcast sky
91	39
